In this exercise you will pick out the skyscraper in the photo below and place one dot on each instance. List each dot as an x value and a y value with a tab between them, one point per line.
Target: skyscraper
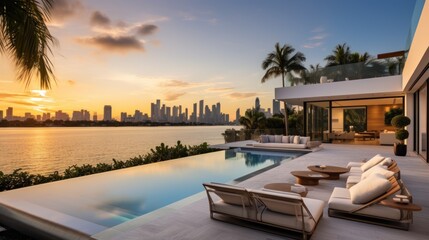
201	113
107	113
276	106
123	116
1	115
257	104
9	114
237	115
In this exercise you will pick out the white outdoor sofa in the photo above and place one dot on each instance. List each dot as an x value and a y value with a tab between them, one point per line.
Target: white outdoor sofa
286	142
283	210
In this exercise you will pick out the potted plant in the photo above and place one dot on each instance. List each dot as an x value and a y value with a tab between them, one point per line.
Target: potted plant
400	122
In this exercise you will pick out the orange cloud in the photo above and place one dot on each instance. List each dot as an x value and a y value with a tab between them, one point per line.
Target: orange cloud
239	95
173	96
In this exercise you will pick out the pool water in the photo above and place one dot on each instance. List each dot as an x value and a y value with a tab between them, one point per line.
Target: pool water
105	200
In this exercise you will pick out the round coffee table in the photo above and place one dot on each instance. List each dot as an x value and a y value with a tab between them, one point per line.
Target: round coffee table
308	177
285	187
333	171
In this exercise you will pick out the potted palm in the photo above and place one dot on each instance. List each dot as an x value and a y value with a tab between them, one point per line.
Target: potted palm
400	122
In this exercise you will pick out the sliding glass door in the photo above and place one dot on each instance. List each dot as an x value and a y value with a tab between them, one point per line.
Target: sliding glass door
317	120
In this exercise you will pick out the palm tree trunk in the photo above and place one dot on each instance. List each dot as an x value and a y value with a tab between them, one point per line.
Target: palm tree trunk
286	119
285	105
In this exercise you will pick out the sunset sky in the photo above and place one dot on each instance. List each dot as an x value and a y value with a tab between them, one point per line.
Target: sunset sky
129	53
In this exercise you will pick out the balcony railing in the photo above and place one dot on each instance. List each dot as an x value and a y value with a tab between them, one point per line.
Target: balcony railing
354	71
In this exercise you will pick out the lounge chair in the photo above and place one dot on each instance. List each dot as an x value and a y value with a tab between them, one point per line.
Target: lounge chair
354	178
341	205
282	210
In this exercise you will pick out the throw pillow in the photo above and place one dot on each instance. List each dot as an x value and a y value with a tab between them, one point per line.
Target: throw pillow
372	162
296	139
304	140
386	162
369	188
278	138
264	139
378	169
271	138
285	139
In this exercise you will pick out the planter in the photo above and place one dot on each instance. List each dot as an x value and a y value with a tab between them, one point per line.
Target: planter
400	149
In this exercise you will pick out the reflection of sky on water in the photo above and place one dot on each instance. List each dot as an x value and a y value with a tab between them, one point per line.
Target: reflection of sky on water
114	197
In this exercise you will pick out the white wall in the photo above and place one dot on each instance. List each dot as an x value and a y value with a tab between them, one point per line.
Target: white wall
364	88
418	56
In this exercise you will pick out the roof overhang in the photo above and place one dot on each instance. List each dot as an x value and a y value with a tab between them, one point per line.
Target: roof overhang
365	88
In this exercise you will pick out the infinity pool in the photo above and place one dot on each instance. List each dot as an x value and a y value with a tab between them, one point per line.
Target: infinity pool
97	202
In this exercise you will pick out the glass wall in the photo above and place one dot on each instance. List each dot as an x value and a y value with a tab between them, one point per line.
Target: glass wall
422	125
317	120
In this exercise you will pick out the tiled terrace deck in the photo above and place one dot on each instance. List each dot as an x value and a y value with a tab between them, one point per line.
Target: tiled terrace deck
192	221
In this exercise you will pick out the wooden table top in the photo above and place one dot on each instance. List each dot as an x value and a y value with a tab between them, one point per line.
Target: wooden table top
309	174
328	169
402	206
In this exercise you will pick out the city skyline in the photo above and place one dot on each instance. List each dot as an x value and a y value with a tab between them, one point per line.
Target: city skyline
159	113
131	52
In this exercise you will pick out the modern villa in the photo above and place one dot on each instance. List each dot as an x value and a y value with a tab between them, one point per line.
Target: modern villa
166	200
369	94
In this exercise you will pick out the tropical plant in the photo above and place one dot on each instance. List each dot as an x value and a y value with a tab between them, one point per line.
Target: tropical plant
253	119
400	122
340	55
283	62
25	36
393	112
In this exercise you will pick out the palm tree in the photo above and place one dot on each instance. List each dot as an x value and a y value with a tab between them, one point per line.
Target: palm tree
252	119
25	36
340	55
282	62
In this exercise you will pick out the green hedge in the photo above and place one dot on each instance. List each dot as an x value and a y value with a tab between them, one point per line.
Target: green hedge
18	178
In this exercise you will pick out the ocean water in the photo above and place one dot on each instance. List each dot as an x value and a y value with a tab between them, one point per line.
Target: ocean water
44	150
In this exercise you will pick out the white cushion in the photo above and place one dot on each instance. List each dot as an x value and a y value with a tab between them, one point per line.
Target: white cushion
263	139
378	169
369	188
354	164
296	139
372	162
285	139
271	138
304	140
386	162
352	180
278	138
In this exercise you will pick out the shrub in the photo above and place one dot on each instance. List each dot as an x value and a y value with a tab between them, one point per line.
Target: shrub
18	178
401	134
400	121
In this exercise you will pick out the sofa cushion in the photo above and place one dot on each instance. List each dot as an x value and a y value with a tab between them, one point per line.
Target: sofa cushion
354	164
284	207
271	138
352	180
295	139
372	162
378	169
291	138
285	139
278	138
263	139
369	188
386	162
304	140
340	200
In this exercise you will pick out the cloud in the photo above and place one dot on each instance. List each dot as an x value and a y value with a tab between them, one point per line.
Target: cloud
178	83
99	19
225	89
313	45
240	95
71	82
63	10
147	29
12	95
318	37
173	96
318	30
111	43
